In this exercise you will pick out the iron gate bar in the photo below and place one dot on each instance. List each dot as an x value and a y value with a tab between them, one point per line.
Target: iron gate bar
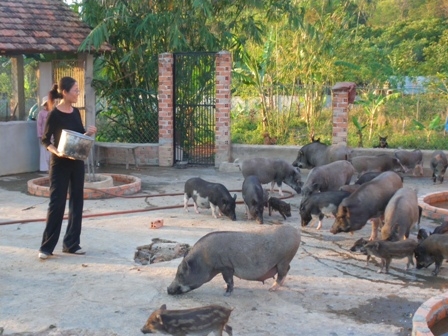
194	108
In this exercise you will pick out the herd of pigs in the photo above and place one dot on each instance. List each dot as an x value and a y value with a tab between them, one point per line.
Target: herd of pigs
377	195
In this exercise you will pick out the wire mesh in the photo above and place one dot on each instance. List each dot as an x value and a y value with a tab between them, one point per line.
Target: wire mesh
194	108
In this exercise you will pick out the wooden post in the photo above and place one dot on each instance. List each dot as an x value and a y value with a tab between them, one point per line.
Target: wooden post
18	82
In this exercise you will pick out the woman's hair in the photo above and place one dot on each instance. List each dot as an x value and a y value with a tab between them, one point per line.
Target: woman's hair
65	83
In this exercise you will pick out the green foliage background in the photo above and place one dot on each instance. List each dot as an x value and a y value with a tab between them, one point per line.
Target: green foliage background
281	48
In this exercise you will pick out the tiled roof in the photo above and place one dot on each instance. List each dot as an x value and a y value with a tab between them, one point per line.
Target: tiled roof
40	26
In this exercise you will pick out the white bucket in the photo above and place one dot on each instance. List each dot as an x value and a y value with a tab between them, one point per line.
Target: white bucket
74	145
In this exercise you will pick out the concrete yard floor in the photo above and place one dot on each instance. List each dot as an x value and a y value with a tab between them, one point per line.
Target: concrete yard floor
328	291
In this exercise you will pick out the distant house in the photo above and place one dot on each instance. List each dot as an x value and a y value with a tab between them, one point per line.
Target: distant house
411	85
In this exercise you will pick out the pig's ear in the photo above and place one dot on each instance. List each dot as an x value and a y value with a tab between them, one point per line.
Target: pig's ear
163	307
234	197
191	264
344	209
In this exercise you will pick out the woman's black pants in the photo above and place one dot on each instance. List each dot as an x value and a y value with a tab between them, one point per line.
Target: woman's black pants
66	176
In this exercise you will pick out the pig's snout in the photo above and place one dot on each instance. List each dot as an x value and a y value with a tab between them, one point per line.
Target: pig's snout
145	331
337	229
420	266
174	290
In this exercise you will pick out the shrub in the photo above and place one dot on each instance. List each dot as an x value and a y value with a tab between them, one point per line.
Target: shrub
395	120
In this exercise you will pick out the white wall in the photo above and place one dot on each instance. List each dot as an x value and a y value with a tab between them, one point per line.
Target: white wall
19	147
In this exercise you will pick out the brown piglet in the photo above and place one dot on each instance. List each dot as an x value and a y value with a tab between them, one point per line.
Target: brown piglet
195	321
387	250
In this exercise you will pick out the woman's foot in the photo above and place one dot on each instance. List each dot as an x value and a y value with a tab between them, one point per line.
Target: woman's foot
43	255
80	251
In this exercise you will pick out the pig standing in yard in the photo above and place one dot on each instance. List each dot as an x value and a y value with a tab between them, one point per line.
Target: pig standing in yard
432	249
209	195
195	321
423	234
254	198
317	154
438	165
369	201
329	177
401	214
274	171
319	205
366	177
251	255
358	246
376	163
278	205
411	160
387	250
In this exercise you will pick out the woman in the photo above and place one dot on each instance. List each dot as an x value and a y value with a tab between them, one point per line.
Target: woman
65	174
41	121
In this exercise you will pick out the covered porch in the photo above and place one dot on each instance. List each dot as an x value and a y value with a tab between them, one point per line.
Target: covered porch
33	27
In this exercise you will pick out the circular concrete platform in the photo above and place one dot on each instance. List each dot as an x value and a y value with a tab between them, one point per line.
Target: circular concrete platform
122	185
429	206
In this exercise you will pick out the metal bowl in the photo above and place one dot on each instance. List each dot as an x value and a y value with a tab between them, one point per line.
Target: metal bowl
74	145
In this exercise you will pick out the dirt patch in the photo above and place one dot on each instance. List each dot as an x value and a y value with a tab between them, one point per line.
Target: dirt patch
391	309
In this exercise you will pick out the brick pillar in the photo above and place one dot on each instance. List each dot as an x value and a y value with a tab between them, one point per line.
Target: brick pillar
166	110
223	105
343	95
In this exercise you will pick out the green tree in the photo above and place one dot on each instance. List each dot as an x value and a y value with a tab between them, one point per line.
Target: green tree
372	102
140	30
310	50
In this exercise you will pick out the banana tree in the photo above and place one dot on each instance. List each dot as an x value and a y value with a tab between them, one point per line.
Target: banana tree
434	125
359	129
372	103
254	71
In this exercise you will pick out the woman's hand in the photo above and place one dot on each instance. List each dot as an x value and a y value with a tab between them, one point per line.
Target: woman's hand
91	130
54	150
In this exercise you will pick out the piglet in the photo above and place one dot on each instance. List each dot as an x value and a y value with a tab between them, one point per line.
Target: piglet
438	165
254	198
209	195
195	321
277	204
388	250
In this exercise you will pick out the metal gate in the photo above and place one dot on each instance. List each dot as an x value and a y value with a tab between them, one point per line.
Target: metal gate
194	108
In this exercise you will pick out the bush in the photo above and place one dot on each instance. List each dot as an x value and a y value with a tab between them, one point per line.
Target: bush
395	120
